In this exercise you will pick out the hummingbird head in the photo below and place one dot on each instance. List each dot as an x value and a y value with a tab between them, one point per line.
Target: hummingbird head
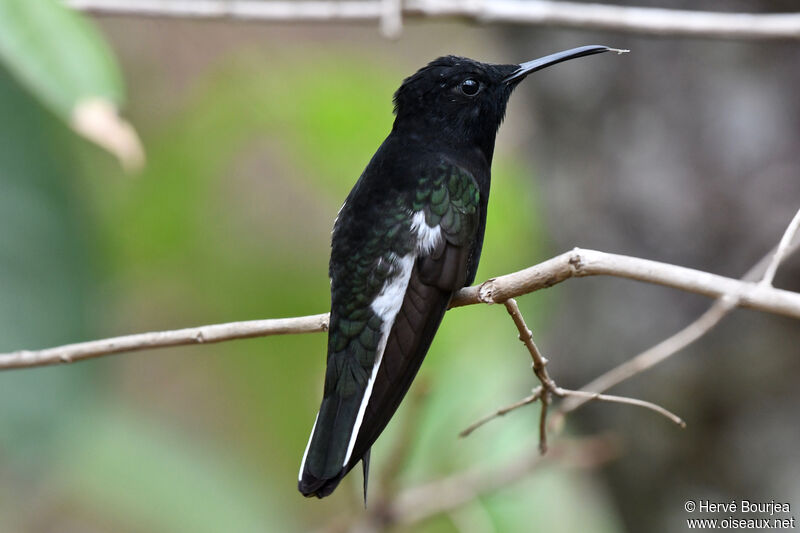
461	102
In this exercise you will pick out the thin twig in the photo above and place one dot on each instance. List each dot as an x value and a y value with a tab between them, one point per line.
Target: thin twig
652	356
575	263
545	409
502	412
539	368
583	396
526	336
783	250
594	396
548	387
764	269
638	20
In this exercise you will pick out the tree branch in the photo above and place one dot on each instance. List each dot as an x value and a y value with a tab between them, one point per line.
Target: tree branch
539	368
589	396
534	397
575	263
765	269
418	503
783	250
581	263
639	20
70	353
549	387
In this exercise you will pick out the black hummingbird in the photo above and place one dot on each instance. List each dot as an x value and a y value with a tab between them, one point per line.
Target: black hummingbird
406	239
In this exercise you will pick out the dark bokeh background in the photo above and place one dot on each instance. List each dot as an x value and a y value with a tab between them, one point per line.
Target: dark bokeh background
684	151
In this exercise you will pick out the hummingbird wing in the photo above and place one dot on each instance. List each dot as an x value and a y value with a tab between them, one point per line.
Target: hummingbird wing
391	283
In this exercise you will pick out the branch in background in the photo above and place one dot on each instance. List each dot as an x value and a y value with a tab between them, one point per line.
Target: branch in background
548	387
782	251
534	397
639	20
583	396
575	263
765	269
421	502
404	443
589	396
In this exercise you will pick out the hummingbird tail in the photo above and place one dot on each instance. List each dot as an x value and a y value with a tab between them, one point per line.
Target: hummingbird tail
323	465
365	466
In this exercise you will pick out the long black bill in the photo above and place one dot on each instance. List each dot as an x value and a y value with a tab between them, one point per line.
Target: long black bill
543	62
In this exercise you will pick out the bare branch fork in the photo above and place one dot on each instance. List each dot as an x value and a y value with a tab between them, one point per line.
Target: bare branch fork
575	263
766	269
548	387
640	20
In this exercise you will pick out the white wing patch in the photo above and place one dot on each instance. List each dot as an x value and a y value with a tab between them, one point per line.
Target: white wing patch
388	302
427	237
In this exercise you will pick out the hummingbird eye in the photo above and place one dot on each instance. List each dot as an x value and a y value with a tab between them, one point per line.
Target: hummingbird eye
470	87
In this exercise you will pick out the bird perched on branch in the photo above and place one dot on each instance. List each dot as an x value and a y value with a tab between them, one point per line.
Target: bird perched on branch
406	239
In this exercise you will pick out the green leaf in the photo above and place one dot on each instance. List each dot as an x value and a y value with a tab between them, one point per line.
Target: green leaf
64	62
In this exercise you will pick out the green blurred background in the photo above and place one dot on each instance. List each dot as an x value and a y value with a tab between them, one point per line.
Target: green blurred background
254	135
684	151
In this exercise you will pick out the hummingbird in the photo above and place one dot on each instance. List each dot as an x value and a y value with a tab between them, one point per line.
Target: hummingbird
408	236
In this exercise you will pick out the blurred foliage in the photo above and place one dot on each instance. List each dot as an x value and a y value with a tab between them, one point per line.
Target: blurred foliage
65	63
44	283
57	54
231	221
